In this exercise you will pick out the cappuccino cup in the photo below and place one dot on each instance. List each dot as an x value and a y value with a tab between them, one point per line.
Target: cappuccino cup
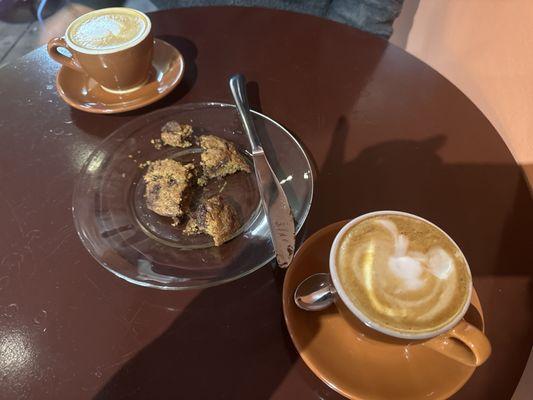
405	278
114	46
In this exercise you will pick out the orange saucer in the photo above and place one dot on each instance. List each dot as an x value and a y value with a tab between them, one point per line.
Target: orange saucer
82	92
356	361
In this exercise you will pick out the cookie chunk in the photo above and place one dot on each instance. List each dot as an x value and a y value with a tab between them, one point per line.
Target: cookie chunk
219	158
215	218
176	135
167	187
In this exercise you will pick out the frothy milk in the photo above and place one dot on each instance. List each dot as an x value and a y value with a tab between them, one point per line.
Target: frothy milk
403	273
109	29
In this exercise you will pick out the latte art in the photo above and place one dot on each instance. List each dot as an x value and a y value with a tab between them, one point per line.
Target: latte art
403	273
409	265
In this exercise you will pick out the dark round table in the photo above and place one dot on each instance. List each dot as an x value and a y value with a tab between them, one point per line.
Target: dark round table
384	131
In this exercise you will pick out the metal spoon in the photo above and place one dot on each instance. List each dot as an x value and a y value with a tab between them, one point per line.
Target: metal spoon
315	293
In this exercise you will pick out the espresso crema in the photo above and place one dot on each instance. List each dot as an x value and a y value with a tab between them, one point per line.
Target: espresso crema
108	29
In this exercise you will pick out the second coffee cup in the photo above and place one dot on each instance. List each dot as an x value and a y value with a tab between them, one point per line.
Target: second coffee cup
114	46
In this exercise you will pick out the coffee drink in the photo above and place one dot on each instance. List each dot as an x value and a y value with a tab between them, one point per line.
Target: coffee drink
109	29
113	46
403	273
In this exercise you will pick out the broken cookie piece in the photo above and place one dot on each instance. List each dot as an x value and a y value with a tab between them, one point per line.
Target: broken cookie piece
176	135
215	218
167	184
219	158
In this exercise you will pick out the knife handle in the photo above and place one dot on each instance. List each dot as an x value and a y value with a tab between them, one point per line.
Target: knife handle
236	84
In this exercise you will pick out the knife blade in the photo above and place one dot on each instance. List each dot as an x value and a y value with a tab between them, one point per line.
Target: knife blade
273	198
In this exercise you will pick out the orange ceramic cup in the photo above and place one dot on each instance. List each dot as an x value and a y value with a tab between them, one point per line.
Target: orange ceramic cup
458	340
123	63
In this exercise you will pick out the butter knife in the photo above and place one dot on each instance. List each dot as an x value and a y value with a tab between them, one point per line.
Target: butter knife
273	198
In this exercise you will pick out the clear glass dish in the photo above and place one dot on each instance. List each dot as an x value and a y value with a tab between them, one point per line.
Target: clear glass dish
141	247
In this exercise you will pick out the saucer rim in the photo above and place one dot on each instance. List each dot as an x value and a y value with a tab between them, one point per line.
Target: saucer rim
134	106
315	369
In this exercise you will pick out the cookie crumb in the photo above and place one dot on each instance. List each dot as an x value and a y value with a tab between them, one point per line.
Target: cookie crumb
157	143
145	164
175	134
223	187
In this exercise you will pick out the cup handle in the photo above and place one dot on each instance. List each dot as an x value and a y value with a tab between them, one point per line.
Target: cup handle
464	343
69	62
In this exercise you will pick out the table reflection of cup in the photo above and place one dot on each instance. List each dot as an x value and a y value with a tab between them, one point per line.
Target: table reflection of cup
398	278
114	46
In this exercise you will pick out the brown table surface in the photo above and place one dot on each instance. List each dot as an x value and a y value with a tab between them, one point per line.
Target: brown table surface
385	132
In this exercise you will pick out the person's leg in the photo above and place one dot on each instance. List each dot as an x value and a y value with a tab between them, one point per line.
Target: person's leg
374	16
314	7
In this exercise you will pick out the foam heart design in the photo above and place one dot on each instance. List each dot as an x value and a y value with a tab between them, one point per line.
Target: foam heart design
409	265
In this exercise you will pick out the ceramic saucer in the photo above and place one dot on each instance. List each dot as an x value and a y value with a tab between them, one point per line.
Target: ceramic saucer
82	92
356	361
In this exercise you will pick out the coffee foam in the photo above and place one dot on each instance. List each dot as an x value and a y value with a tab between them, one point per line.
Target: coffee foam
403	273
107	30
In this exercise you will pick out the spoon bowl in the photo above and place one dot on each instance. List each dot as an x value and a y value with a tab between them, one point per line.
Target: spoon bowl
315	293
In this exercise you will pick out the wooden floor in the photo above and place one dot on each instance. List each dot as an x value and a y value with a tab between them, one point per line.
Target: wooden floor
24	32
16	39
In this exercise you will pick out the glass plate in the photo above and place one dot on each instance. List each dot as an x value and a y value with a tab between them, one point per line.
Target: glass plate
143	248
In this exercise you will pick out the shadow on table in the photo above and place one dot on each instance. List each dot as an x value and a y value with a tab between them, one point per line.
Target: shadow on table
231	342
228	343
189	52
486	208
